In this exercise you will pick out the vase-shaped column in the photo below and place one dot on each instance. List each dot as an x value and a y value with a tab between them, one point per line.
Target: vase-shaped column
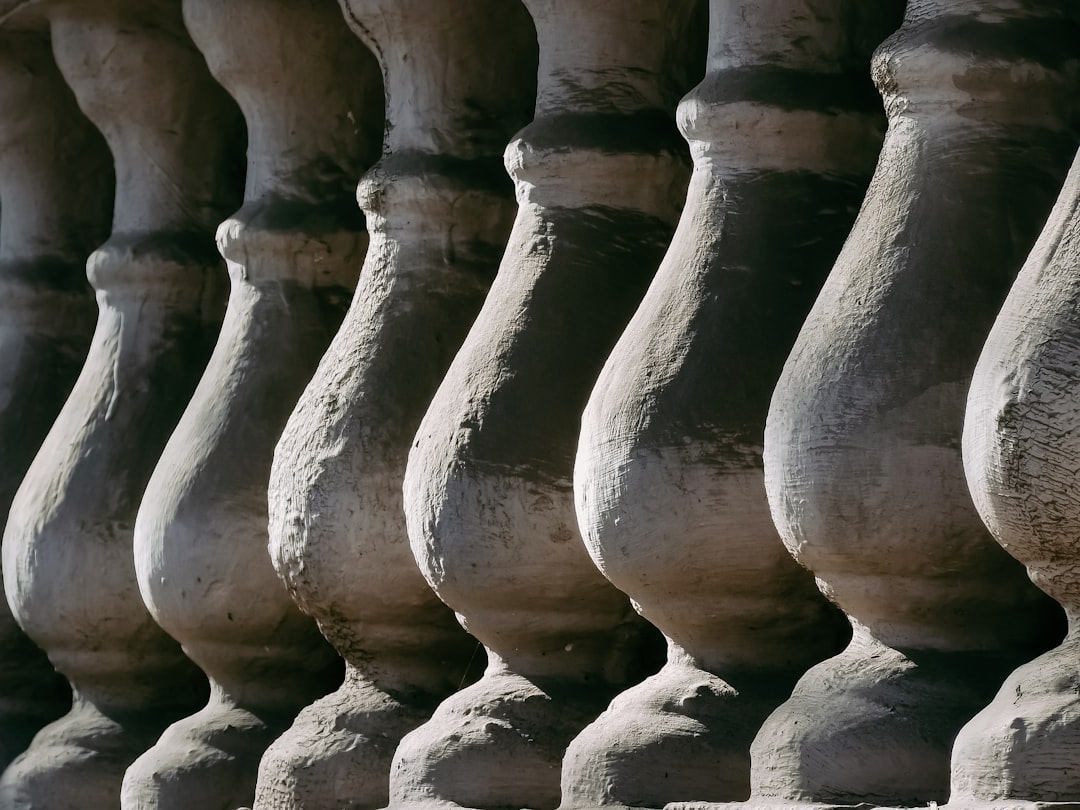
862	445
68	567
460	80
47	229
488	496
311	96
785	132
1021	445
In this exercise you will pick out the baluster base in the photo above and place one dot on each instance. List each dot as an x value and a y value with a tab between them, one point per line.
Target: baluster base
17	729
207	760
682	731
338	752
32	694
1027	741
78	762
871	725
497	743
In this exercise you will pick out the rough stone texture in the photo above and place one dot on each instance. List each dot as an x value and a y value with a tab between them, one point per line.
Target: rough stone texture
1021	445
47	229
863	452
460	79
488	498
784	131
311	96
862	455
69	575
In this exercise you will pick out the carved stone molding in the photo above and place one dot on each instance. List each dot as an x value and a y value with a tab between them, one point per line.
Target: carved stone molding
862	446
600	180
69	572
310	95
785	131
47	229
459	79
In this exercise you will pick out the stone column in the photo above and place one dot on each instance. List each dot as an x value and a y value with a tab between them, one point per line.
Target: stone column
47	229
311	96
785	132
69	573
460	80
862	446
1021	445
600	180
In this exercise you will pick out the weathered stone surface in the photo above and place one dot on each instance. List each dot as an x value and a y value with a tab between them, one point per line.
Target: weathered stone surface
69	574
311	96
862	458
1021	445
460	79
784	131
862	455
47	230
600	180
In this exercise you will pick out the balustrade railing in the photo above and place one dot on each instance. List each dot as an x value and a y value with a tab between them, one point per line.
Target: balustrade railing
69	570
439	208
600	176
311	96
784	131
862	445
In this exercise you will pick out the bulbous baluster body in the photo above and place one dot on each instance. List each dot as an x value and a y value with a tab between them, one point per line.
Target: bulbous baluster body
488	496
47	313
670	491
460	79
862	456
69	573
311	98
1021	442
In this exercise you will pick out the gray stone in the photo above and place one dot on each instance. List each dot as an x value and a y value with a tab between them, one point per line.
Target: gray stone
294	251
439	207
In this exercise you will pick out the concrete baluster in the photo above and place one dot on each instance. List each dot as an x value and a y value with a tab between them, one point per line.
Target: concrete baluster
47	229
785	132
460	80
67	553
862	446
488	497
311	96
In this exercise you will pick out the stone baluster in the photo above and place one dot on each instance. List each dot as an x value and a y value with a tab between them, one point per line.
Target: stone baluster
1021	445
785	132
488	496
47	229
311	96
460	80
69	573
862	446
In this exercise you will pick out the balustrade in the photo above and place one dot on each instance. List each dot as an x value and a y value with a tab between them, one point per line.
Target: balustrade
1021	445
862	445
460	79
784	131
311	96
47	229
600	180
861	464
68	566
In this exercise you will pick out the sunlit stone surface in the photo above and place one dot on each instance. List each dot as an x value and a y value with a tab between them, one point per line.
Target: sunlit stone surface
862	446
311	97
439	207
